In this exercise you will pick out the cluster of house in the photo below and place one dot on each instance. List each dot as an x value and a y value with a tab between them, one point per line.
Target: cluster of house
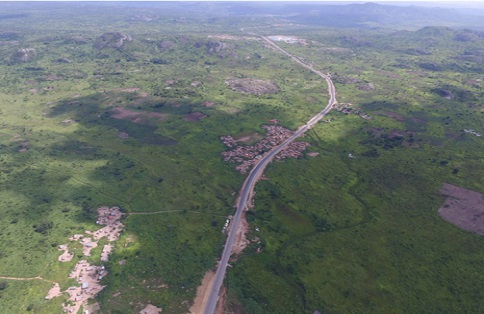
89	276
247	156
472	132
347	109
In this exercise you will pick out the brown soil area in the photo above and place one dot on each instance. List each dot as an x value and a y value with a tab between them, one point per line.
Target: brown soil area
222	300
140	117
253	86
463	208
209	104
150	309
88	246
25	278
123	135
194	116
419	73
55	291
419	121
389	74
66	256
203	292
241	241
398	117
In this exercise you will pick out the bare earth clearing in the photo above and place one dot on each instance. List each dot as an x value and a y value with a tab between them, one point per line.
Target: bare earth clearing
203	293
194	116
150	309
463	208
252	86
140	117
289	39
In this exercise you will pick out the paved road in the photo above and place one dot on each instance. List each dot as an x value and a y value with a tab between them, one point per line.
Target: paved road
249	183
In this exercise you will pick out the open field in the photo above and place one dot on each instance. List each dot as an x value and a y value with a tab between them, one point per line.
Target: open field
127	109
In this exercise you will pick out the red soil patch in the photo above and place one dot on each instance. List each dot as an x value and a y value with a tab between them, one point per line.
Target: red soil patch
389	74
419	121
150	309
209	104
398	117
241	241
463	208
54	292
203	293
123	135
222	302
194	116
140	117
419	73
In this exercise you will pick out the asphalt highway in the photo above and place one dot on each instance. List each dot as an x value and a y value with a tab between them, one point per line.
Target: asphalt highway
249	183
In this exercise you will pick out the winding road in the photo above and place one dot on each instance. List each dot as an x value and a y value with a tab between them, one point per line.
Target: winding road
249	183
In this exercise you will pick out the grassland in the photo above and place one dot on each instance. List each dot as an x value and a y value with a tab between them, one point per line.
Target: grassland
339	234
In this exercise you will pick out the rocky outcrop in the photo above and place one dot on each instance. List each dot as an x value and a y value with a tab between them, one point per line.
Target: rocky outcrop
78	40
217	48
23	55
366	87
165	45
62	60
114	40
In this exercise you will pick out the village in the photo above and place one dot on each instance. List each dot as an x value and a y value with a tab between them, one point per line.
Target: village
246	156
89	276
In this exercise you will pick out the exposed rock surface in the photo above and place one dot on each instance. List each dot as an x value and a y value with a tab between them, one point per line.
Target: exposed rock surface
114	40
218	48
367	87
165	45
23	55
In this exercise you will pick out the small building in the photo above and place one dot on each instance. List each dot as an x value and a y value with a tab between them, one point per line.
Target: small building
85	285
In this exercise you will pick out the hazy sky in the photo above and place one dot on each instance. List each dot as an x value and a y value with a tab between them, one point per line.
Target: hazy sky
455	3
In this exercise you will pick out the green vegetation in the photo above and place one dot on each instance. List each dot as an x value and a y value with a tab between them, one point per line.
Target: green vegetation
94	110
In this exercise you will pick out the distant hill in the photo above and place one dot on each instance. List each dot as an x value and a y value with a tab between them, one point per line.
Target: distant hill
369	14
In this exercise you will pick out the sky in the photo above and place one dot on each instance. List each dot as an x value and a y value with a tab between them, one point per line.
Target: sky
455	3
376	1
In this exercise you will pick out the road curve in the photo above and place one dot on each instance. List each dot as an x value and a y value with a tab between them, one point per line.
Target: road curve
249	183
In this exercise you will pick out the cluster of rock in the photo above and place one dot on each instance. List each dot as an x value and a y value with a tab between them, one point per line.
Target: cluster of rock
347	108
23	55
112	40
247	156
